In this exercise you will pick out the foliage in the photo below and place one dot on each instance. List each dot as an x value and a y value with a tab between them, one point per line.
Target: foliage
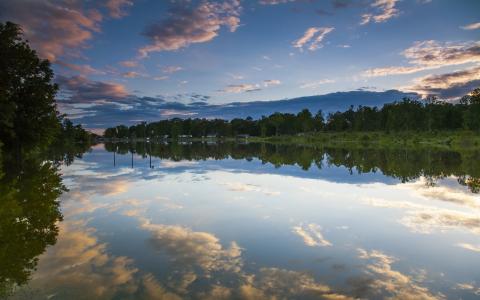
28	114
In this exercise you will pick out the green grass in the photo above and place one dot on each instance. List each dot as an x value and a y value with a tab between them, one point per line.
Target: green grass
444	139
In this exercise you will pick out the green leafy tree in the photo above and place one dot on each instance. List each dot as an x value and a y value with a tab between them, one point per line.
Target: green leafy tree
28	113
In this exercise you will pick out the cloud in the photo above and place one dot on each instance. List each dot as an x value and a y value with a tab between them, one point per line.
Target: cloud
188	25
469	247
241	88
133	74
171	69
192	253
430	54
54	28
385	9
315	84
160	78
80	262
82	90
129	63
472	26
426	219
82	69
276	283
312	235
274	2
394	283
115	7
236	76
270	82
246	187
314	36
449	85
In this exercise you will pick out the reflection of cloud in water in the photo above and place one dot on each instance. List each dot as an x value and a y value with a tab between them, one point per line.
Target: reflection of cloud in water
275	283
387	280
78	266
458	195
311	234
427	219
188	247
468	287
166	164
248	187
475	248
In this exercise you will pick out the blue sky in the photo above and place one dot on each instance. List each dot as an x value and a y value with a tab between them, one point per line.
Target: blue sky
106	53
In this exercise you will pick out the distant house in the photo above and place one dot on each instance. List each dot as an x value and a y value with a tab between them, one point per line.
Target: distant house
211	136
243	136
185	136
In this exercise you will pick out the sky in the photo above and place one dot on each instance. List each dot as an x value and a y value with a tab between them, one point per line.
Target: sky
115	56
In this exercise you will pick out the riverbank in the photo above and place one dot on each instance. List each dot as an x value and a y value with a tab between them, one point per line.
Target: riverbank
457	140
444	139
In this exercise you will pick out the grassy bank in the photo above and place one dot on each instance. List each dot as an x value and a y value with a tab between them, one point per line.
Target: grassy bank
443	139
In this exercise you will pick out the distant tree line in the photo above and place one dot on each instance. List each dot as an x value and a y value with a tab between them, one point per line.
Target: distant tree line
405	115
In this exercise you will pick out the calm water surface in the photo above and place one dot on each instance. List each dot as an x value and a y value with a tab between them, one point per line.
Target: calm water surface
263	222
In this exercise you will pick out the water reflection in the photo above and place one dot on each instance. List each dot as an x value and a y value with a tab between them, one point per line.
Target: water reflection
403	164
259	221
29	212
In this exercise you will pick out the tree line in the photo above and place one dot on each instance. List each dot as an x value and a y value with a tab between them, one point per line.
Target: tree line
406	115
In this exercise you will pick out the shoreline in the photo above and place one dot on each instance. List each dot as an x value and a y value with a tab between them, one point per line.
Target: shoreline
456	140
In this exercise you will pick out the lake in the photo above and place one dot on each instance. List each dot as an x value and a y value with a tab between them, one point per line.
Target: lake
249	221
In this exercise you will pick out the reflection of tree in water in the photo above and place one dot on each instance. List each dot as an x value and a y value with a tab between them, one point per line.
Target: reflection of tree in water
29	212
403	164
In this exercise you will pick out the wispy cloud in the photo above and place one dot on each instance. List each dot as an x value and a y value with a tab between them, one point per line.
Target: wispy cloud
315	84
188	25
116	7
430	54
171	69
384	10
133	74
472	26
448	85
270	82
274	2
311	235
129	63
314	37
249	87
469	247
82	69
54	28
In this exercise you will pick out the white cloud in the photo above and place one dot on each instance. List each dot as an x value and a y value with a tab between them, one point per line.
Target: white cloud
270	82
472	26
385	9
475	248
315	84
431	54
314	37
311	235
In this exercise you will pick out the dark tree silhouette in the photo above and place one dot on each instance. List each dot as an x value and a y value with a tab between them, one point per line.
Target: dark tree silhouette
28	114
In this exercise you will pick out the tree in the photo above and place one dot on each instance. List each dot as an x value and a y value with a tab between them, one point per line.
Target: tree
28	113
